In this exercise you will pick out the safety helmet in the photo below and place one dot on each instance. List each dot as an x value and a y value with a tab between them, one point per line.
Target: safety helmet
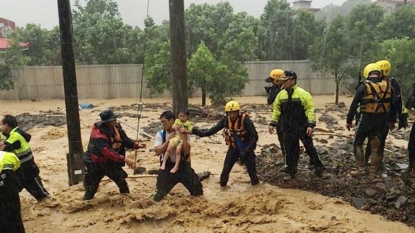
384	66
275	75
232	106
370	68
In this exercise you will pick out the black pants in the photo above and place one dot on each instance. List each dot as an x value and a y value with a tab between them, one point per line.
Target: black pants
29	178
311	150
280	135
376	133
411	145
96	171
185	175
10	216
232	156
292	146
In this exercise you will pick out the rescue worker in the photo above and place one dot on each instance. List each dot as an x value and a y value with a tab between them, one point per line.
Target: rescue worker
17	142
294	111
105	155
241	137
185	175
10	215
410	105
274	78
386	67
377	115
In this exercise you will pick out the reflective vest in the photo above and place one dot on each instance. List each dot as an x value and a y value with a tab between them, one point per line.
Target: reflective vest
8	161
24	152
378	97
235	129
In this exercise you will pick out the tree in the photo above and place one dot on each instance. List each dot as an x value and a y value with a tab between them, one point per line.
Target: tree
306	29
361	24
400	53
330	53
216	79
44	45
100	35
278	21
157	69
399	24
9	59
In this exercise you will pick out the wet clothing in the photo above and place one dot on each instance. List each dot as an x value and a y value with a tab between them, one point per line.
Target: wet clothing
105	157
17	142
377	109
272	92
294	112
241	137
10	215
410	104
185	175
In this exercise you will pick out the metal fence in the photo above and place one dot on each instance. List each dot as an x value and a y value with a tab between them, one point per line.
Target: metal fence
124	81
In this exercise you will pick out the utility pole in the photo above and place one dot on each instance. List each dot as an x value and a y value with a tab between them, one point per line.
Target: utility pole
178	55
76	169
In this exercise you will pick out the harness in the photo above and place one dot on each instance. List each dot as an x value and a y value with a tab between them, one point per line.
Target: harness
116	142
235	132
378	97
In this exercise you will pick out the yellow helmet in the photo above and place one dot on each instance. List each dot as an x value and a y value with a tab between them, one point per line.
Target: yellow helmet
232	106
384	66
275	75
370	68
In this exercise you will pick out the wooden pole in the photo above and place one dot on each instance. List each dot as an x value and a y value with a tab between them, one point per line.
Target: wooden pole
178	55
76	169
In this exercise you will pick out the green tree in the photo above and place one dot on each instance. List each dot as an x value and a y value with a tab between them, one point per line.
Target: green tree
9	59
399	24
306	29
44	45
330	53
100	35
216	79
278	23
400	53
361	25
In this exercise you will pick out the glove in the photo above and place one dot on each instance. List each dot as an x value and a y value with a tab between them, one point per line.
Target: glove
197	132
137	145
403	121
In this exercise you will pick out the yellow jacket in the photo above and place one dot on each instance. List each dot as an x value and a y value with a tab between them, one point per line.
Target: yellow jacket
294	109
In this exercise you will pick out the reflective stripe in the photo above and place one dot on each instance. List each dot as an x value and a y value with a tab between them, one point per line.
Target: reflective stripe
22	153
25	159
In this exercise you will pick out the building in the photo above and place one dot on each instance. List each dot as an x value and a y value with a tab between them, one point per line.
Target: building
6	26
390	5
304	5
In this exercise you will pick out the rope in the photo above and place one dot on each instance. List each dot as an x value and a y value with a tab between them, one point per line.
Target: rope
140	104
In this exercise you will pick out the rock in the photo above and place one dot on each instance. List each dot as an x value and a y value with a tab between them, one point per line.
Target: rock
401	201
341	105
139	170
370	192
358	202
402	166
327	119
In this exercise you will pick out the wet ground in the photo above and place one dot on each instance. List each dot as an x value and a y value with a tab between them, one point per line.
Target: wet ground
391	196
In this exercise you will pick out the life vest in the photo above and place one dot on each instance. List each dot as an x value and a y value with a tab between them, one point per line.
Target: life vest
235	129
378	97
116	142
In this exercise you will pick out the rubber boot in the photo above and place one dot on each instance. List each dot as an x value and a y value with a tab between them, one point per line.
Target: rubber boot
375	159
410	171
360	162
